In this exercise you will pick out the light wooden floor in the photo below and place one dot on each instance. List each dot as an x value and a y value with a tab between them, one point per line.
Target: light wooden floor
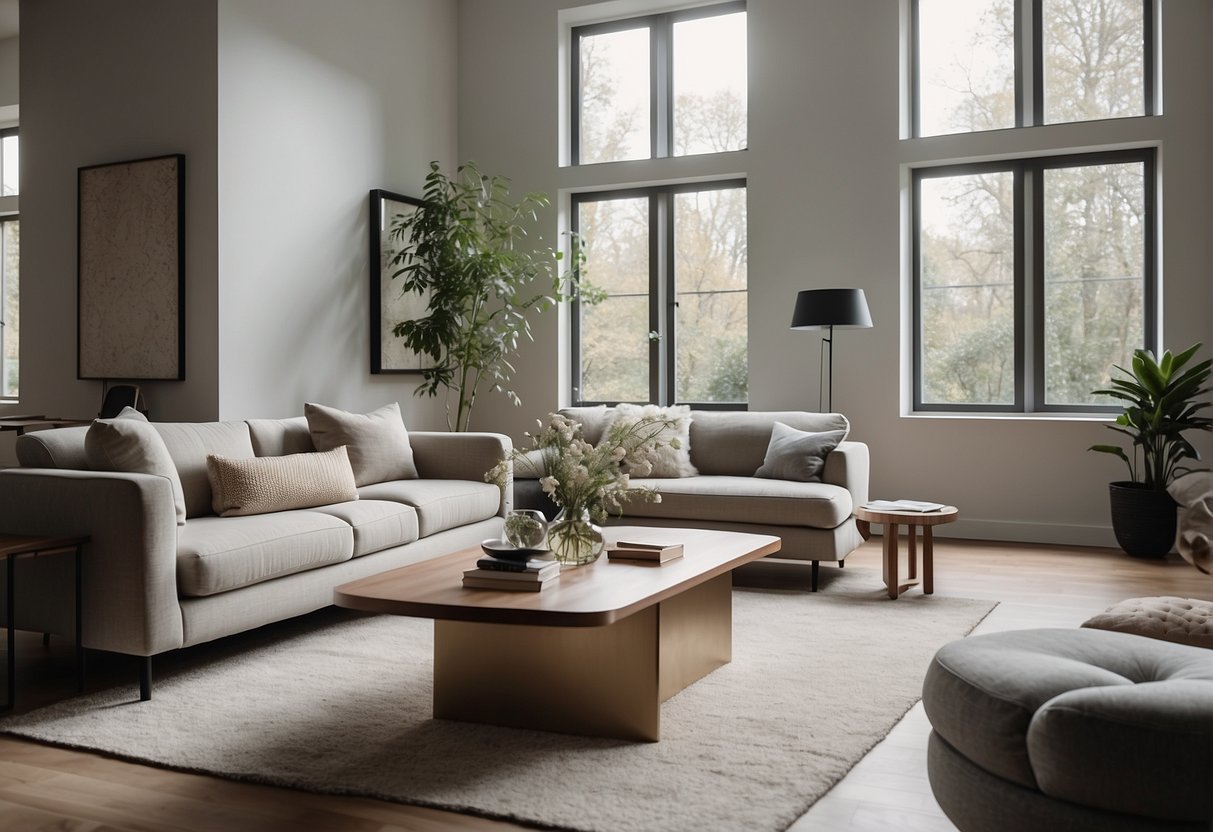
44	788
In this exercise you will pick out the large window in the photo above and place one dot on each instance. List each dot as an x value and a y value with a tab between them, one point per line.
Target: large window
664	315
1032	278
977	65
663	85
10	255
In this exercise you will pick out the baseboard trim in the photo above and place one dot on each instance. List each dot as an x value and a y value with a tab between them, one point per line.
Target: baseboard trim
1014	531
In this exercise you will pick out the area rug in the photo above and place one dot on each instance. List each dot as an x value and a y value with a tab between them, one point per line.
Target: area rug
340	703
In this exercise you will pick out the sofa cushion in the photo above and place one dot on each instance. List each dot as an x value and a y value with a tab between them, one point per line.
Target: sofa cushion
217	554
189	444
772	502
440	504
258	485
594	420
377	524
735	443
670	458
797	455
278	437
128	443
377	442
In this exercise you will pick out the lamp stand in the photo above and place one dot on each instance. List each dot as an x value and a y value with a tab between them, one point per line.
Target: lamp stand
827	341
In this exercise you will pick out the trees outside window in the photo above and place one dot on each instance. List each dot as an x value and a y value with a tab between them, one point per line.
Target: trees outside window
1011	320
1087	59
10	256
662	85
664	314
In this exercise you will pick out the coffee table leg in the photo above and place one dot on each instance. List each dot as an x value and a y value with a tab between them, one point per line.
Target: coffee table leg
890	559
928	561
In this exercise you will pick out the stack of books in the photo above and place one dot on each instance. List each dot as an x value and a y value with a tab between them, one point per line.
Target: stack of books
649	551
510	575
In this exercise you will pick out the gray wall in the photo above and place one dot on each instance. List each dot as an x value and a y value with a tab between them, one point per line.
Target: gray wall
828	186
105	82
319	103
9	65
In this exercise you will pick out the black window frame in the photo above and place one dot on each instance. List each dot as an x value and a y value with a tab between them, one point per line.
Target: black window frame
1149	64
1028	173
5	133
663	351
661	73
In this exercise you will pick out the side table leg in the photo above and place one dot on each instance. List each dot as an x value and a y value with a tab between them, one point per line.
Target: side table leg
928	561
10	620
890	559
912	553
79	628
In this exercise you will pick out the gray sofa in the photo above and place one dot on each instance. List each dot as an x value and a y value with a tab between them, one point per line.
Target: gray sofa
151	585
814	519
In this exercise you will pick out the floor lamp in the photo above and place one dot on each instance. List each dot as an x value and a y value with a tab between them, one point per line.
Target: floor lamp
826	309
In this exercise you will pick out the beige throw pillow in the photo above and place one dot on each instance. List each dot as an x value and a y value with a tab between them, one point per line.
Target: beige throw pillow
128	443
797	455
258	485
377	442
667	461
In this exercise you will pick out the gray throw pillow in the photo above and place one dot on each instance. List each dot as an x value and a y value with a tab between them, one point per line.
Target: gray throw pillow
797	455
128	443
377	442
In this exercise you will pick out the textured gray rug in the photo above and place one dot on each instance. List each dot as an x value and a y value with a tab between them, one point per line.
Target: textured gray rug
339	703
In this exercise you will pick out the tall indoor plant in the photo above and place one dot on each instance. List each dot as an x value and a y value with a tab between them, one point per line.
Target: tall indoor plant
1162	401
467	250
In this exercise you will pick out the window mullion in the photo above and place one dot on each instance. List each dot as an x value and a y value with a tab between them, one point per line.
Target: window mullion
660	82
658	207
1029	279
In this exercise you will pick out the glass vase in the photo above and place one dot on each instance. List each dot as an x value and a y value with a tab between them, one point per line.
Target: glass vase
525	528
573	539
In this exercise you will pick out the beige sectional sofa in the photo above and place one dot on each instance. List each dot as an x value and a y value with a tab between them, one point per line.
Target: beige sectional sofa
814	519
151	585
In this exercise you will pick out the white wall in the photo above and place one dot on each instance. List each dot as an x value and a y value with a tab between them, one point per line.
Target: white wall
319	103
826	176
107	81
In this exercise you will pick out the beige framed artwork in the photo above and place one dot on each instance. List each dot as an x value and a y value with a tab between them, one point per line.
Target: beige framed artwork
130	312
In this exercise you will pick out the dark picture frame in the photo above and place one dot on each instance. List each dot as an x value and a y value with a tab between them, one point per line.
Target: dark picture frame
388	305
130	269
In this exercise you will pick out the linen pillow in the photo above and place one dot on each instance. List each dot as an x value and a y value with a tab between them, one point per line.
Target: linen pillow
797	455
128	443
377	442
257	485
667	461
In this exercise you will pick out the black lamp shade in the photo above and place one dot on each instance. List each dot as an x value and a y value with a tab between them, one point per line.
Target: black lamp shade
824	308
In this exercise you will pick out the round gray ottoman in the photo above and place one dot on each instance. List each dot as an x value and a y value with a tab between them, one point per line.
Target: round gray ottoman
1067	730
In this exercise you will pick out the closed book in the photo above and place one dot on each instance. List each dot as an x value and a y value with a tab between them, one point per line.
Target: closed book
471	581
499	565
652	555
548	571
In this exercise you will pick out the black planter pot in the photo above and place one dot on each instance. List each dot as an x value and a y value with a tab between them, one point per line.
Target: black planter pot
1143	519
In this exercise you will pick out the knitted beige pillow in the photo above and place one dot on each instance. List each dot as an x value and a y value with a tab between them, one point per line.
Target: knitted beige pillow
258	485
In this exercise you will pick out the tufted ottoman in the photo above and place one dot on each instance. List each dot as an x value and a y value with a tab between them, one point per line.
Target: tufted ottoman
1065	730
1181	620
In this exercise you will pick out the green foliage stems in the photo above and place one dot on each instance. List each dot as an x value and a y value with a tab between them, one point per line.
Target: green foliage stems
1162	403
465	250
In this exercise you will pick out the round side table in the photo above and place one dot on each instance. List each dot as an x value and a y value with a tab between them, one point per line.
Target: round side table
912	520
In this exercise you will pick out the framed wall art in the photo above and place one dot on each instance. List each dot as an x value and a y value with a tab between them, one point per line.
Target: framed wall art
389	305
130	276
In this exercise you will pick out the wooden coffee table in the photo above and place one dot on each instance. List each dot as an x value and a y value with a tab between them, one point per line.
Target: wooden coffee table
912	520
595	653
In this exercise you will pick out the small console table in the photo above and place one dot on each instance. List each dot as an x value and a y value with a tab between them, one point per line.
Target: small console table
912	520
20	546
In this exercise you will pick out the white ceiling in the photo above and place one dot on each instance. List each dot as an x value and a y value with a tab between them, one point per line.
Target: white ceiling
9	14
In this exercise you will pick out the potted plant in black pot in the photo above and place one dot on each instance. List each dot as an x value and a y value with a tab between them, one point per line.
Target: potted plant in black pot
1163	400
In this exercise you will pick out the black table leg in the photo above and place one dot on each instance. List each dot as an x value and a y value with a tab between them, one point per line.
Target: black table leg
10	620
79	628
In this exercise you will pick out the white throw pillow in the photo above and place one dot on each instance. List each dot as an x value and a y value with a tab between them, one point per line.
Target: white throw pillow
258	485
667	460
377	442
797	455
129	444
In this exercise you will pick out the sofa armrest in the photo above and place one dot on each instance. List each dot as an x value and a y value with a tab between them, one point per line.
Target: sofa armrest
440	455
847	466
130	562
